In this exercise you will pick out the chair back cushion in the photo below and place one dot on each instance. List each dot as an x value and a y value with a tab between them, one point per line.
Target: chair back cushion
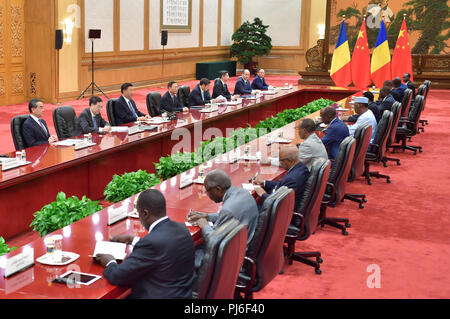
110	106
416	111
362	135
183	95
16	131
229	259
208	264
154	103
406	103
396	109
65	121
383	130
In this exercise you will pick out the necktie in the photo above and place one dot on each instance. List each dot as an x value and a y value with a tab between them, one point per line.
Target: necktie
132	109
203	95
95	122
43	127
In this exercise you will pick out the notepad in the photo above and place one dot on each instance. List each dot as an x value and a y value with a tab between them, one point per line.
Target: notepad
119	129
248	187
117	250
69	142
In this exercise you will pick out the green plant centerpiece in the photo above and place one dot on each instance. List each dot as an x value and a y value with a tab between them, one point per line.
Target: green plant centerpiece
250	41
63	212
4	248
129	184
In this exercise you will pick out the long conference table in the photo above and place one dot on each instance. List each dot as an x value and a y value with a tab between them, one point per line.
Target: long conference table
82	236
53	169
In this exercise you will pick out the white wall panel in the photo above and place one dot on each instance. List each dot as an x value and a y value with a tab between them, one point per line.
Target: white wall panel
132	25
210	22
227	28
176	40
283	16
99	14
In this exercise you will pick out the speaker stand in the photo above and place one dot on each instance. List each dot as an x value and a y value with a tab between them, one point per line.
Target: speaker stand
92	86
162	69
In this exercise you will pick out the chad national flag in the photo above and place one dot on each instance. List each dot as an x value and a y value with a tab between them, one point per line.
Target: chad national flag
402	59
381	59
361	60
341	72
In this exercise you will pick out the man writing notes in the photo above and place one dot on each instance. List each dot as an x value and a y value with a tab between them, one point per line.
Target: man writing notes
126	110
34	129
295	178
361	105
169	102
90	120
259	83
161	265
336	132
312	147
221	87
200	95
243	86
237	204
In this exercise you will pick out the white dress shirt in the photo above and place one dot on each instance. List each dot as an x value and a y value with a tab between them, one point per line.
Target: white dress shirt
366	117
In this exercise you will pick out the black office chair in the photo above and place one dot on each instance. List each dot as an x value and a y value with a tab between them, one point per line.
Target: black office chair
224	254
335	191
65	121
183	95
424	93
409	127
406	103
376	150
154	103
362	135
267	249
110	105
305	221
396	109
16	131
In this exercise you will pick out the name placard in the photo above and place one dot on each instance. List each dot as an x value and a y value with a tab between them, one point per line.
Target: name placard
19	262
186	181
117	215
134	130
82	145
13	163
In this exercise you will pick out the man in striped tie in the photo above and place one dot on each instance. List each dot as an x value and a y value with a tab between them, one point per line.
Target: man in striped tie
125	109
34	129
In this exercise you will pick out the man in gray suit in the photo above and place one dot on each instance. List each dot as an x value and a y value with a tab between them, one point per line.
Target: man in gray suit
312	147
237	204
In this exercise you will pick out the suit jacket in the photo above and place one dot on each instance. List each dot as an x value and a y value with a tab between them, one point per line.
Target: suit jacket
221	89
85	122
196	99
411	86
259	84
334	135
237	204
310	150
161	265
123	112
242	87
400	92
170	105
386	104
33	133
295	179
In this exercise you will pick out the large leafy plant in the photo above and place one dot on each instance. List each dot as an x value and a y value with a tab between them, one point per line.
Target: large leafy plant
64	211
129	184
250	40
4	248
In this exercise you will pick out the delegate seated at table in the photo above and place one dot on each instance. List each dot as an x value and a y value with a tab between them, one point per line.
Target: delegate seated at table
336	132
259	82
243	86
200	94
125	109
91	120
34	129
170	102
312	147
361	105
161	265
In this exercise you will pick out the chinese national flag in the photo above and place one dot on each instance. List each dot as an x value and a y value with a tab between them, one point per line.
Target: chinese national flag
402	60
361	60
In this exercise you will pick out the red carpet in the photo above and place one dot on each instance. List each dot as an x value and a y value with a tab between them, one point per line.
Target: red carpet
404	228
8	112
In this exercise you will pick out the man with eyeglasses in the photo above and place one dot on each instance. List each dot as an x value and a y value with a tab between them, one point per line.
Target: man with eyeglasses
91	120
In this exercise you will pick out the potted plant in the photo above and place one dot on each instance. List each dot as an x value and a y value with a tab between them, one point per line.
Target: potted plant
4	248
251	40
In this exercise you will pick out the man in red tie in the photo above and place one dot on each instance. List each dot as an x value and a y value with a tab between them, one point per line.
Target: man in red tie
34	129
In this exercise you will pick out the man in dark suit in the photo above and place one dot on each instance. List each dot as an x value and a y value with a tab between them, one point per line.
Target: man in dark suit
295	178
399	88
409	84
259	83
161	265
34	129
243	86
169	102
390	85
126	110
386	100
221	87
336	132
91	120
200	95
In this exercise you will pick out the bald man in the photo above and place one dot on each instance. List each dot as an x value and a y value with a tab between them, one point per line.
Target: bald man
259	83
295	178
243	86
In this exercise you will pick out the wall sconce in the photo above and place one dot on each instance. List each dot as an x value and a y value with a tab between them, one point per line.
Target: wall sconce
68	29
321	31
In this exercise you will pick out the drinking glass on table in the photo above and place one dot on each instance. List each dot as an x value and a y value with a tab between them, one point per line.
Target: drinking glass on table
57	255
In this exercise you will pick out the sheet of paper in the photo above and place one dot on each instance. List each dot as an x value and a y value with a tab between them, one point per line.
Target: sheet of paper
248	187
69	142
188	224
119	129
118	250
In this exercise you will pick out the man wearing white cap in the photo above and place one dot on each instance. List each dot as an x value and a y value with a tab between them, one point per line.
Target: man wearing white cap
361	105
